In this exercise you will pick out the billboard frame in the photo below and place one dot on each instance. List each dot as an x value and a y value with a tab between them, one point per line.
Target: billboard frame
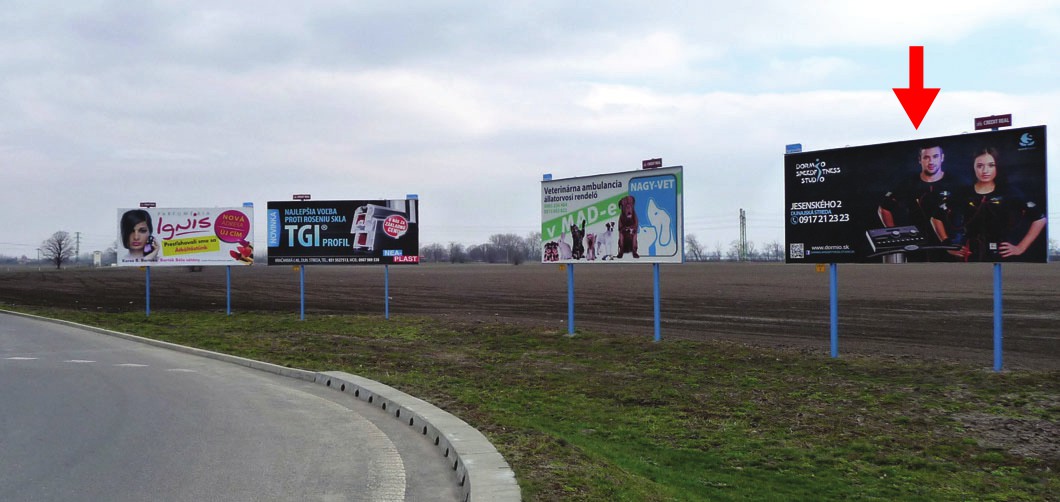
343	232
865	203
612	209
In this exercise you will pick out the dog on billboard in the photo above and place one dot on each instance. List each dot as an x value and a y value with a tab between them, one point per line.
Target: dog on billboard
628	227
551	251
578	248
605	242
664	234
590	247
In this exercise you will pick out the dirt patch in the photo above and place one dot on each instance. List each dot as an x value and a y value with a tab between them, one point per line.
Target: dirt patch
1019	436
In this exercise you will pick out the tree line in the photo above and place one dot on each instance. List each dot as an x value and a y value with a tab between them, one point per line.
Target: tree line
499	248
59	249
513	249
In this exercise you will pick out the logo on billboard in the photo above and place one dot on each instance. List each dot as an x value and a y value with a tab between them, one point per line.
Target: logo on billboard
406	259
395	225
274	227
993	122
815	172
655	201
1027	140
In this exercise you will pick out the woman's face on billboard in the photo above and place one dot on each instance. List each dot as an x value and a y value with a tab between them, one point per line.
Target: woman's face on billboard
985	168
139	236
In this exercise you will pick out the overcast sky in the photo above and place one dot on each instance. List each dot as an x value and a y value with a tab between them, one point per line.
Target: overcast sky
104	104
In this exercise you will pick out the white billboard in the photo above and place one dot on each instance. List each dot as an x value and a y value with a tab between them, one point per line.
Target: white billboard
186	236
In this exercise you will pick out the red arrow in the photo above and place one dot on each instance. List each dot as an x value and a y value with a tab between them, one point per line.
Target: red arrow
916	99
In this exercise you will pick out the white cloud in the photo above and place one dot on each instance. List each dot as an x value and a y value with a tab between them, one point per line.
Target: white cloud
838	24
468	104
143	154
807	73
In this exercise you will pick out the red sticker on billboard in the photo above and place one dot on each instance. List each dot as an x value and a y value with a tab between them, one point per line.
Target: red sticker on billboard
232	226
395	225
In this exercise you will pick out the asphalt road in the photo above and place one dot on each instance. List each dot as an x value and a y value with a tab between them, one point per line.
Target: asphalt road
84	416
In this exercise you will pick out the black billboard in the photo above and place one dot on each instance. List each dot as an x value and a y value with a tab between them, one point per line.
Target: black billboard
968	198
343	232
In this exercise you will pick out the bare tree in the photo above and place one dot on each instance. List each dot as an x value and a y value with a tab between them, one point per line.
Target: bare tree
508	247
457	253
58	249
733	254
109	256
434	253
479	253
533	246
693	249
775	251
748	253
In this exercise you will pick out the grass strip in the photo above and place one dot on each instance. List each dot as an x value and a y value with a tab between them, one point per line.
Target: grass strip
603	417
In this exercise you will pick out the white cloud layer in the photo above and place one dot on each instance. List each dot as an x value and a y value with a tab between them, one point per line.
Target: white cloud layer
467	104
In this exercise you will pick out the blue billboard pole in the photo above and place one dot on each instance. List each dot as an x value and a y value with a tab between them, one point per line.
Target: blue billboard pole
833	303
655	269
570	284
570	299
228	288
997	304
228	272
148	292
997	317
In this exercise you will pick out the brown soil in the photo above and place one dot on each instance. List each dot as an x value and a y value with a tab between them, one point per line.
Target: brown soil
1022	437
939	311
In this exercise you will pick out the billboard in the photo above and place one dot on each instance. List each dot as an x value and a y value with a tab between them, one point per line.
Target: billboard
344	232
629	217
968	198
186	236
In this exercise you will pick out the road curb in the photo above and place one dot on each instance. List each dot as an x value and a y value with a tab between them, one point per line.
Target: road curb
479	469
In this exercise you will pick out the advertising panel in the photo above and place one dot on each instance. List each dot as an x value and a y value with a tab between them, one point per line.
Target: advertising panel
344	232
629	217
186	236
968	198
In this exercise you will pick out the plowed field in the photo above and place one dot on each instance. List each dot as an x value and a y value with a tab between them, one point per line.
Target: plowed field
939	311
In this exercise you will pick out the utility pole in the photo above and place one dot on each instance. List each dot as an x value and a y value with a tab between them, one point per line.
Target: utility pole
77	247
743	235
